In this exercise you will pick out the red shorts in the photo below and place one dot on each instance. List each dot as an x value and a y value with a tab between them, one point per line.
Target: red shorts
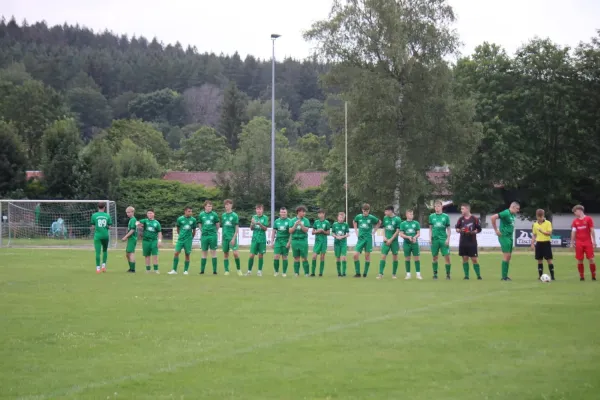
586	249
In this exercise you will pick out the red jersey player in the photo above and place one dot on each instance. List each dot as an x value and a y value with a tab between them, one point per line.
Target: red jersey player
583	239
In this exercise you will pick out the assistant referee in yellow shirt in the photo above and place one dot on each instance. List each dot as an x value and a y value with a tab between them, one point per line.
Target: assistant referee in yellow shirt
541	242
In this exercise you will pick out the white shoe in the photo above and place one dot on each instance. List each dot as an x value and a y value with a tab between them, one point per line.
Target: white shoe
283	275
276	274
296	275
306	275
259	273
185	273
407	276
248	273
226	273
394	277
379	276
157	272
419	277
239	273
172	272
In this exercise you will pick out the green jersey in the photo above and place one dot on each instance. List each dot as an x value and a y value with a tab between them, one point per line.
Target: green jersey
507	223
391	225
439	223
258	235
340	229
186	227
299	234
151	229
410	228
325	225
229	221
131	226
208	223
282	229
365	225
101	222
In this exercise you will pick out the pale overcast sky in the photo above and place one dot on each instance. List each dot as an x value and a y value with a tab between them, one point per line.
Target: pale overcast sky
244	25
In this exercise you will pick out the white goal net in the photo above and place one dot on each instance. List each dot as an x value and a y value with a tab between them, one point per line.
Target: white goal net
51	223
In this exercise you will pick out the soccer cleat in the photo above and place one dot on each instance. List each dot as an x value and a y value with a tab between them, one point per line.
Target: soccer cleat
201	272
593	278
358	276
379	276
239	272
320	275
479	278
419	277
582	279
186	273
172	272
226	273
276	274
435	277
248	273
98	271
466	278
407	276
259	273
306	275
340	276
447	277
283	275
344	275
215	273
131	271
157	272
394	277
296	275
364	275
312	275
507	279
103	267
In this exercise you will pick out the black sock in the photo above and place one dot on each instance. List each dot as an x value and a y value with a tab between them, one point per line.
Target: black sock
540	269
551	268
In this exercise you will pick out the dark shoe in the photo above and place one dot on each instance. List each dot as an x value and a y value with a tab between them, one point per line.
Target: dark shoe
582	279
312	275
358	276
435	277
479	278
364	275
466	278
131	271
447	277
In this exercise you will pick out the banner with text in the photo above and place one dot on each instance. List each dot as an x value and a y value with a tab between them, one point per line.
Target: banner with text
560	237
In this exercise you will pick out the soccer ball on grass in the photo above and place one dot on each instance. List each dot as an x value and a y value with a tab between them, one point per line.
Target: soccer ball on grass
545	278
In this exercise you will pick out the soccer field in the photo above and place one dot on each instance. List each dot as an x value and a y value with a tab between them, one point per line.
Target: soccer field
67	333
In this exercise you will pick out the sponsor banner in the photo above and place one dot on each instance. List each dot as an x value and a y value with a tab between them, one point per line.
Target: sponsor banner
560	237
487	238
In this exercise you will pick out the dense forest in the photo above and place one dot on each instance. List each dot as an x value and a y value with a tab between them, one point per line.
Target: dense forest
99	113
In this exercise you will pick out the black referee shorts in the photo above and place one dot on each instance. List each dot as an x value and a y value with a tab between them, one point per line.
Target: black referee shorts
543	251
467	250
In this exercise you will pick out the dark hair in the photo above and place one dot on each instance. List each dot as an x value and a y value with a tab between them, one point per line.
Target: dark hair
409	210
540	212
187	208
389	208
101	206
578	207
300	208
366	207
466	205
207	203
321	211
150	209
259	206
228	201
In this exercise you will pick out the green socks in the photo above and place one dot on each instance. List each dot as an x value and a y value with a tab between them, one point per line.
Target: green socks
407	266
435	268
477	270
97	258
175	263
297	267
214	265
394	267
321	267
104	257
156	267
357	267
417	266
148	268
276	265
367	265
250	264
305	267
285	266
202	265
344	267
448	268
226	264
381	267
131	266
504	269
261	262
237	264
466	269
313	267
338	267
186	265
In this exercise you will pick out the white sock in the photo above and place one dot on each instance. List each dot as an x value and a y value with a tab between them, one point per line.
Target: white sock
98	267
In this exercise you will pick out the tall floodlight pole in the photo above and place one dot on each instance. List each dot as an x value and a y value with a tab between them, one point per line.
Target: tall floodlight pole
346	161
274	36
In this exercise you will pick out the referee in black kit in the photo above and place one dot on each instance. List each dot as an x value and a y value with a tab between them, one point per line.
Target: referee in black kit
541	242
468	226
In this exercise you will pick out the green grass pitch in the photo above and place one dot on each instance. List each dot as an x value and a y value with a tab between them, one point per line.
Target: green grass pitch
67	333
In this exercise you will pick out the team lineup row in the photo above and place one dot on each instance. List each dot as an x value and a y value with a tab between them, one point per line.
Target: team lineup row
291	235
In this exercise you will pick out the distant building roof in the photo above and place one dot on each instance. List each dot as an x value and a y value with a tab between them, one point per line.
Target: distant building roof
33	175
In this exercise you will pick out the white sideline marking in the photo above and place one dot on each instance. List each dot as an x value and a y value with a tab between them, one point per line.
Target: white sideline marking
249	349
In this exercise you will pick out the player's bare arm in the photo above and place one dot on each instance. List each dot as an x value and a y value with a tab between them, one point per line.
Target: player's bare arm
417	236
159	238
494	221
235	235
304	228
128	235
573	237
448	233
355	228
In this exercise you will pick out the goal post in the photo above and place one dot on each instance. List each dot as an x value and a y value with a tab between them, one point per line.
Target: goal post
51	223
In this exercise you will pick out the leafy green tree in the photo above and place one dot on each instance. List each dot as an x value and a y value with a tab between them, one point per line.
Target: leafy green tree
31	107
90	107
143	135
120	105
232	114
160	106
313	119
283	116
404	119
61	165
133	161
15	73
99	170
13	161
203	150
312	152
174	137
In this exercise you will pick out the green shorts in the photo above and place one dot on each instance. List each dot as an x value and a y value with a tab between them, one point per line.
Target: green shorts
340	249
506	244
281	248
227	246
300	248
131	244
258	248
101	244
150	248
320	246
365	244
438	245
208	242
185	245
394	248
411	249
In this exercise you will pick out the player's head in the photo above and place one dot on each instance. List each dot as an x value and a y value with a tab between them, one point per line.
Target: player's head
150	213
465	209
208	206
187	212
283	212
259	209
130	212
578	210
540	214
366	209
389	211
514	207
101	207
228	205
300	211
341	217
321	214
409	214
438	206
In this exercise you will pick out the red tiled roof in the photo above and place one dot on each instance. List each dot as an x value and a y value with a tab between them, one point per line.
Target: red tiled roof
33	175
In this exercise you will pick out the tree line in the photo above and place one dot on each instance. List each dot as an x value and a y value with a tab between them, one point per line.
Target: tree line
96	110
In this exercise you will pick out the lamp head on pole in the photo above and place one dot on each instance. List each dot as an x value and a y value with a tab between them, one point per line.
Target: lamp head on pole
274	36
